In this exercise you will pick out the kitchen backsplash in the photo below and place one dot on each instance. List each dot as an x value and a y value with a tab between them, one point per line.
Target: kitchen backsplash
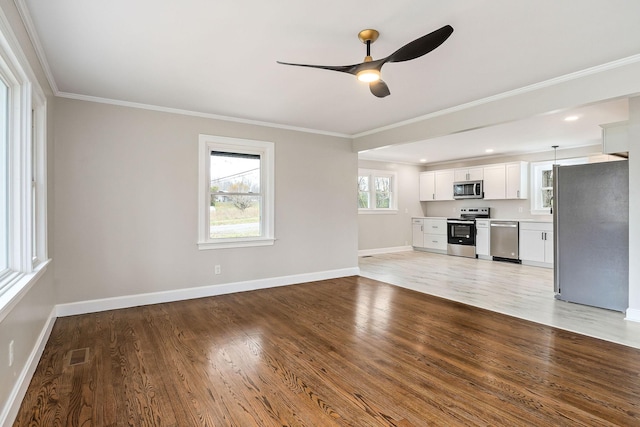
502	209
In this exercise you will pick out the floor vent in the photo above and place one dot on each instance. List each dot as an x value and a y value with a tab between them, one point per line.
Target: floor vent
78	356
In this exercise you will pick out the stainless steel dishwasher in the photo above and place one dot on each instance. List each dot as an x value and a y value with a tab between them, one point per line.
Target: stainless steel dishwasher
504	241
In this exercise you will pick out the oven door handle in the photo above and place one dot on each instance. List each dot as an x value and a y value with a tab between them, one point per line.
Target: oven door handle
460	222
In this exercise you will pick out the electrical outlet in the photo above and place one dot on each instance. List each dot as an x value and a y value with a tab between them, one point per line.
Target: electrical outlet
217	269
520	209
11	353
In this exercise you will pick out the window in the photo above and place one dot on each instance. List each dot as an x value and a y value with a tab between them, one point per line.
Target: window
377	191
236	192
23	216
542	184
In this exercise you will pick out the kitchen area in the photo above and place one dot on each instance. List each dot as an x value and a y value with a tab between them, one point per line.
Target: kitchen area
475	231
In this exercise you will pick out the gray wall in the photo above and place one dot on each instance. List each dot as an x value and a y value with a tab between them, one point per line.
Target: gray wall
376	231
126	203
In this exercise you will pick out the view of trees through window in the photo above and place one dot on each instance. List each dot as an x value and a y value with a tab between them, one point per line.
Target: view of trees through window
547	188
235	195
374	191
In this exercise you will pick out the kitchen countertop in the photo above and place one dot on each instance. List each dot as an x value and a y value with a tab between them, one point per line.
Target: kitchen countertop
550	221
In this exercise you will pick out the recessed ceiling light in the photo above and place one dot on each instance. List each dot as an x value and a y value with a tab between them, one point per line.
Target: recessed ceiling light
571	118
489	150
423	160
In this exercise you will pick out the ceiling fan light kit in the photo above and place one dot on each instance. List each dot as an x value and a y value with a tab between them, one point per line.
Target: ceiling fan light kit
369	70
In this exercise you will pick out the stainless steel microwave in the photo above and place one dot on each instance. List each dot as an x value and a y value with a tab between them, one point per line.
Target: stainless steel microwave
468	190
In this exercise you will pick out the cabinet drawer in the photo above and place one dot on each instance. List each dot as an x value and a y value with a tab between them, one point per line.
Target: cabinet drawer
435	241
417	221
482	223
435	226
536	226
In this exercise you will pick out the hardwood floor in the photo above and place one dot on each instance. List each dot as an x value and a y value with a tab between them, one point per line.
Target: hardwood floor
517	290
344	352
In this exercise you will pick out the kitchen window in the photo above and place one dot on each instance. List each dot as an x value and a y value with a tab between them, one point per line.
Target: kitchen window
377	191
542	184
236	192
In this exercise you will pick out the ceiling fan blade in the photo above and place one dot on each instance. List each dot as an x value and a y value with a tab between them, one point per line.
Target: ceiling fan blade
351	69
379	89
421	46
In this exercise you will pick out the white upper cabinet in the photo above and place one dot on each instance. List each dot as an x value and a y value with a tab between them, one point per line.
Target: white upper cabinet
615	137
500	181
517	182
427	186
444	184
436	185
468	174
494	184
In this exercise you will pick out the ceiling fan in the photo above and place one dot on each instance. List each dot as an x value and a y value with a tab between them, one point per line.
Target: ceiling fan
369	70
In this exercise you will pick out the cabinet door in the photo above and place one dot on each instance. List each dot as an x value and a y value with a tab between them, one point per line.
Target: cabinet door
476	174
418	233
532	245
427	186
471	174
516	187
494	182
444	184
482	237
459	175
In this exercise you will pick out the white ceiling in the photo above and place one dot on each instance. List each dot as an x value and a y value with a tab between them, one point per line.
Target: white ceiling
532	135
219	57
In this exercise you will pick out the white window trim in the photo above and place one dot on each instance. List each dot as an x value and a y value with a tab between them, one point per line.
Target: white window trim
536	171
27	119
208	143
372	173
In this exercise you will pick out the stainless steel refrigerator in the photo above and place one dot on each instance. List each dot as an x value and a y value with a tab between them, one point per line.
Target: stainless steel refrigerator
591	234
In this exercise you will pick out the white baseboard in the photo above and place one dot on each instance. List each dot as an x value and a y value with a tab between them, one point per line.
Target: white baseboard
633	314
93	306
377	251
12	406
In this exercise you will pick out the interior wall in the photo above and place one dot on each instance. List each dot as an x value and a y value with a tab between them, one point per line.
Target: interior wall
23	325
28	316
634	209
376	231
126	203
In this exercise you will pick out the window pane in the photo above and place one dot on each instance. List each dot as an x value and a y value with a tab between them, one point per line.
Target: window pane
234	216
383	185
363	192
547	196
547	178
235	172
363	200
4	177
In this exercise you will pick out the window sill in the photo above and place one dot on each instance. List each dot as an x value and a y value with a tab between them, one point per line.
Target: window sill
377	211
22	283
540	212
268	241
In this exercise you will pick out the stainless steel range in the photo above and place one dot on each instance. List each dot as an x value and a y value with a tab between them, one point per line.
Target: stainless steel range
461	232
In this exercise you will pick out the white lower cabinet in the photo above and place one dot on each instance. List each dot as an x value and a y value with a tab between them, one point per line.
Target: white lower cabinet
536	243
430	234
482	238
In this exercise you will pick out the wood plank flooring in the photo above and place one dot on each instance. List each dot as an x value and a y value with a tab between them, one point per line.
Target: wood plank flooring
344	352
513	289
